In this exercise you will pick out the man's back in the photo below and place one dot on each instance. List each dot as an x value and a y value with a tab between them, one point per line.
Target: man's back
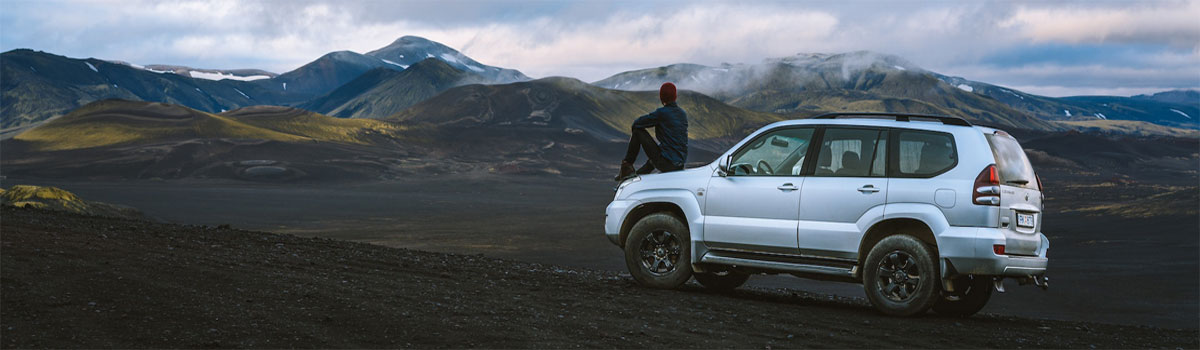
672	133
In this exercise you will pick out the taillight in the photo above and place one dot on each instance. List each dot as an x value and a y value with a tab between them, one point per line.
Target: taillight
987	187
998	249
1039	179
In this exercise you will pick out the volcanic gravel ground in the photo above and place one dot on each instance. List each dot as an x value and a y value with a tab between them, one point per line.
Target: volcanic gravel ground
72	281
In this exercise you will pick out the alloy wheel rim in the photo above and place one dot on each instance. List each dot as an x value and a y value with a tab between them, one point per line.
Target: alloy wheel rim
660	252
899	277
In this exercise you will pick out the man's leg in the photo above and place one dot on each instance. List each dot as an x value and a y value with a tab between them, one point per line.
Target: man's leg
639	140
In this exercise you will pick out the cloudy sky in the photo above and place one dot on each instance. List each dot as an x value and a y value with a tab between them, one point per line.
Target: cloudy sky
1055	49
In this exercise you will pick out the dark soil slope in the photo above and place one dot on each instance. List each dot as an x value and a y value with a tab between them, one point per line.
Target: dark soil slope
75	281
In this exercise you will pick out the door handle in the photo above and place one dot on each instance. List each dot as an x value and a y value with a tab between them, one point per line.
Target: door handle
787	187
868	189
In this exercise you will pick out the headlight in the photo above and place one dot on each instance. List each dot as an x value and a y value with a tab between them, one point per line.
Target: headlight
624	184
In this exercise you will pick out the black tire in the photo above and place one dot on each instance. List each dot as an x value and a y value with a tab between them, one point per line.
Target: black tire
722	280
900	277
665	268
970	294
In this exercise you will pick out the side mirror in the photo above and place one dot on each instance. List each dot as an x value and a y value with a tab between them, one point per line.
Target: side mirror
723	166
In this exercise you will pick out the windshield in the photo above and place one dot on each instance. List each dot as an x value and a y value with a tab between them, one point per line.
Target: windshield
1011	164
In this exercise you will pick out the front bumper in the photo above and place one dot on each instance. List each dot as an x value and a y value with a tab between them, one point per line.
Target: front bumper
613	217
968	251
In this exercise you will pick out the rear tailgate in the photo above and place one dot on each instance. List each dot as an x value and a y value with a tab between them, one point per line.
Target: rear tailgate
1020	196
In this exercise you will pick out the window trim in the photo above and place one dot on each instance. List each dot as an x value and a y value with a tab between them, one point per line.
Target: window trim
810	163
807	156
893	168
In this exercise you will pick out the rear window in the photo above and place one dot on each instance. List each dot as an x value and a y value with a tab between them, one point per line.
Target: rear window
925	154
1011	164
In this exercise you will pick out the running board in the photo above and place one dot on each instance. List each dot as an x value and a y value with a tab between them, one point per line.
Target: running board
713	258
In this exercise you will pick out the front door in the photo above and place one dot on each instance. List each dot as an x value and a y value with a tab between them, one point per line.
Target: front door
756	205
847	184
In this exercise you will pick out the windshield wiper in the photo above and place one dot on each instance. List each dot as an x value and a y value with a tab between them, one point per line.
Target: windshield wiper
1019	182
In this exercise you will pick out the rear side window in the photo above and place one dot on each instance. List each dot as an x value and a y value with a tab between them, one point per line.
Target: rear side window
1011	164
924	153
852	152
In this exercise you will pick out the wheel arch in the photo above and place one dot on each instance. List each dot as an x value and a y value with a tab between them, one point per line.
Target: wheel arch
642	210
896	226
681	204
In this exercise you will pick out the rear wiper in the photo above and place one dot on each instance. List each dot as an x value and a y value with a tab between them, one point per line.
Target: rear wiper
1019	182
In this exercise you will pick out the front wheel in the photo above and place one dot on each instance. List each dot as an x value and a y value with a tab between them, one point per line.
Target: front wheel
658	252
900	277
970	294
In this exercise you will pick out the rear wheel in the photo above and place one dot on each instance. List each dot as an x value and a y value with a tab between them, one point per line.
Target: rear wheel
970	294
900	277
658	251
722	280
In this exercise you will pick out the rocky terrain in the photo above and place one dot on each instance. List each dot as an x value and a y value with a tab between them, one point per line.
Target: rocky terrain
83	281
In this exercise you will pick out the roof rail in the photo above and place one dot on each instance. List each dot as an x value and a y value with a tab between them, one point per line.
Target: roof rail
900	117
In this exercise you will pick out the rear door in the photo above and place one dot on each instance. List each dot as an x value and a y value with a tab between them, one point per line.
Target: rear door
847	182
754	207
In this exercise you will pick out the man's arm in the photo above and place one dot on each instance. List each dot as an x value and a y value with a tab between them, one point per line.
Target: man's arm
647	121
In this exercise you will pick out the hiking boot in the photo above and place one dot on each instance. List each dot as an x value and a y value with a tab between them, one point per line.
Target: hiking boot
626	171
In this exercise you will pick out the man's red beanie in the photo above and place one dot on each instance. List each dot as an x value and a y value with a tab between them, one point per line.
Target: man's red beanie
666	93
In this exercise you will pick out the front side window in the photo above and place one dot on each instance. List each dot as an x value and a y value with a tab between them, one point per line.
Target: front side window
775	153
852	152
924	153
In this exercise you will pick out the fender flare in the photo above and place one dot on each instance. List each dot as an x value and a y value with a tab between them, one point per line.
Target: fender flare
684	200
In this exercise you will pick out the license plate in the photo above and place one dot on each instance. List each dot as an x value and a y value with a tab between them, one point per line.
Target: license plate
1024	220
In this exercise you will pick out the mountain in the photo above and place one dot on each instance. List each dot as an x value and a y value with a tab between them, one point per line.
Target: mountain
813	83
38	86
572	106
382	91
408	50
1183	97
1166	109
324	74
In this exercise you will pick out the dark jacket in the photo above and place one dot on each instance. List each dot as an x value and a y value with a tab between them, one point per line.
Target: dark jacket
670	128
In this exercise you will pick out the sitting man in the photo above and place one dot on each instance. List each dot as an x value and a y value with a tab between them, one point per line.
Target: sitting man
670	128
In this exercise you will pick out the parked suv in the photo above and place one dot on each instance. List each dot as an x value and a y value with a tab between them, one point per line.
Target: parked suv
925	211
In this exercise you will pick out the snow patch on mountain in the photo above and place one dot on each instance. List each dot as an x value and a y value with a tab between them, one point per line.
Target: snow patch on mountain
902	68
1185	115
394	63
1068	113
1023	97
1101	116
240	92
965	87
220	76
89	64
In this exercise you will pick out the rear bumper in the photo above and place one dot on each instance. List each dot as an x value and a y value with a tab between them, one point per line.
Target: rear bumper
968	251
613	217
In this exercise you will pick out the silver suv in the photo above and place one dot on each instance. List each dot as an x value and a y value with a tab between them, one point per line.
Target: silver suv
925	211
